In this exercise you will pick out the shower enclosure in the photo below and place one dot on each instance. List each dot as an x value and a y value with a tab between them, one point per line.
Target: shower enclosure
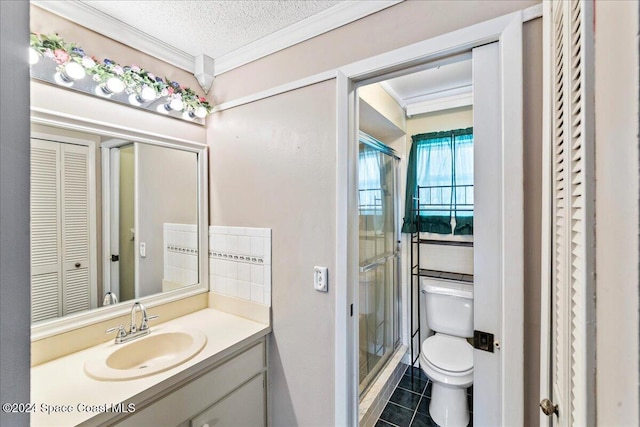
379	257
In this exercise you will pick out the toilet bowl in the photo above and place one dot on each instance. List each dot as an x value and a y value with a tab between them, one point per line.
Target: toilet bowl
448	362
446	357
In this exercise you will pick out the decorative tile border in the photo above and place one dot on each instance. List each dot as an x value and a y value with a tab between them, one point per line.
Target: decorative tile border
180	263
240	263
182	250
235	257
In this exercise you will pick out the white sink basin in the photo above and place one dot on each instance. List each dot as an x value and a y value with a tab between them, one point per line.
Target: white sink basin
145	356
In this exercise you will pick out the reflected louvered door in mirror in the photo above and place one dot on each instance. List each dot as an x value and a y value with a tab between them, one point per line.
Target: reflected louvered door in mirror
46	259
75	228
60	266
572	342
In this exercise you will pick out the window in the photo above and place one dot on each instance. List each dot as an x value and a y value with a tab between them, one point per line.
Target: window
439	195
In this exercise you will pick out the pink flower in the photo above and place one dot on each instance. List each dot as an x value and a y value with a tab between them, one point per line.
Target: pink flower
135	68
118	70
202	99
170	89
61	56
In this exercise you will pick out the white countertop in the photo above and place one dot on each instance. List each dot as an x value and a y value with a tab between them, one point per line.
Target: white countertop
63	381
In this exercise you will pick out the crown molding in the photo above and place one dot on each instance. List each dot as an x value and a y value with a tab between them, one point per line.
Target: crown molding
315	25
90	17
392	93
320	23
444	100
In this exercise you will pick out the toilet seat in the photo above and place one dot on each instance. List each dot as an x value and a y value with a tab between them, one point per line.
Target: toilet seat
448	355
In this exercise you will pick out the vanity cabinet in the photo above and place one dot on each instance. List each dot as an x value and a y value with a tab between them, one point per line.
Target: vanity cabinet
244	407
230	393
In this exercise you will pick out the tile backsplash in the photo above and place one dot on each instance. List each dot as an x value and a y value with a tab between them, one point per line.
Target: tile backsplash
180	243
240	262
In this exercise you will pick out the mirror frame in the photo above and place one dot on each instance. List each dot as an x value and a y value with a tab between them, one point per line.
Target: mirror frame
70	322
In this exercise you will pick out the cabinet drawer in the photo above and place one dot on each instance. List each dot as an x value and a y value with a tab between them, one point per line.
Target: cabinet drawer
196	396
242	408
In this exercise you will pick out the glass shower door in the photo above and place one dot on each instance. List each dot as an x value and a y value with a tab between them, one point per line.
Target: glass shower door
378	256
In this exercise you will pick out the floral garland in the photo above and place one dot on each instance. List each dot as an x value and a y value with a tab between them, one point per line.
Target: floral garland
135	79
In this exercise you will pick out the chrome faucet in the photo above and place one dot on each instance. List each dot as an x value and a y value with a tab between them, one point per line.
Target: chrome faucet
110	298
137	306
134	331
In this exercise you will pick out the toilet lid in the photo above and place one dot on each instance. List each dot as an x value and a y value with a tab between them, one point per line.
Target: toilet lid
451	354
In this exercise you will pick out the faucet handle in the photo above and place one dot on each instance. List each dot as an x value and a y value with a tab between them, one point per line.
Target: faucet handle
145	319
121	332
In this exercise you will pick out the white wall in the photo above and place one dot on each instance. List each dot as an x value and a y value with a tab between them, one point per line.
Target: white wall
15	311
617	213
167	192
273	165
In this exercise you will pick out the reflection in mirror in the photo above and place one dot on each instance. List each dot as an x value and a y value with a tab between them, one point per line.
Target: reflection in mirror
111	220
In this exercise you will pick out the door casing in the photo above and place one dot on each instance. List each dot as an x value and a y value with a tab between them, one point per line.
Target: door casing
507	30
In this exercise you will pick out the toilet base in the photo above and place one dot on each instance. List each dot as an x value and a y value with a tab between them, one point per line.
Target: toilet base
449	407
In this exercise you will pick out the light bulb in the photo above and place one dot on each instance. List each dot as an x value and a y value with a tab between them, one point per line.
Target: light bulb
147	93
176	104
201	112
133	100
115	85
74	70
33	56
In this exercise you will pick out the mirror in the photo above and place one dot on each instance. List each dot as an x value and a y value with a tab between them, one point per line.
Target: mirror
112	219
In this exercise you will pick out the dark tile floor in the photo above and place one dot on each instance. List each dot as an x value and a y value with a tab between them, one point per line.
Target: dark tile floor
408	406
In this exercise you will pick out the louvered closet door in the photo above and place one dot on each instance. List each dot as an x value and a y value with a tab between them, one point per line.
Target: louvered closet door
60	244
46	259
572	340
75	228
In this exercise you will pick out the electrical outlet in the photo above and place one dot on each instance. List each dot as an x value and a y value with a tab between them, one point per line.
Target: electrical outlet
321	279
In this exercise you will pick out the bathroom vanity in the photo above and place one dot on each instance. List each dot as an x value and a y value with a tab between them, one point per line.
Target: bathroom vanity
225	383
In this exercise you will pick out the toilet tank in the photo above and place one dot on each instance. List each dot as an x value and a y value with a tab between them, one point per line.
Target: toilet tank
449	306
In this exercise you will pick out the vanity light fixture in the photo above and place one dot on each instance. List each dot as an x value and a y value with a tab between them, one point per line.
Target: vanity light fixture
201	112
108	88
146	94
175	104
65	64
72	71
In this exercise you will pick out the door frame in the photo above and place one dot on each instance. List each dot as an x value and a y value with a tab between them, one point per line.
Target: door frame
108	194
507	30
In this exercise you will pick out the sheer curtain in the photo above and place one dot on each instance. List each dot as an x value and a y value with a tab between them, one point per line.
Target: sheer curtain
463	206
369	183
440	183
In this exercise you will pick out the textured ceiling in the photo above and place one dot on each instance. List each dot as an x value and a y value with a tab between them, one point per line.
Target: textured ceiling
214	28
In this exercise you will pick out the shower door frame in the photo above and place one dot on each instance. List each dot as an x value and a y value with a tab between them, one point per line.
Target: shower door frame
395	310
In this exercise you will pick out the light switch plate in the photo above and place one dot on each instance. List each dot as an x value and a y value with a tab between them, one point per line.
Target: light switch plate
321	279
143	249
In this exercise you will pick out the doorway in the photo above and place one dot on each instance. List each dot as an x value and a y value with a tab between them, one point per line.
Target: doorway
496	47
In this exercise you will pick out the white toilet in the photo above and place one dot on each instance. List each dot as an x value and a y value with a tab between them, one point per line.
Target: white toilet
447	357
